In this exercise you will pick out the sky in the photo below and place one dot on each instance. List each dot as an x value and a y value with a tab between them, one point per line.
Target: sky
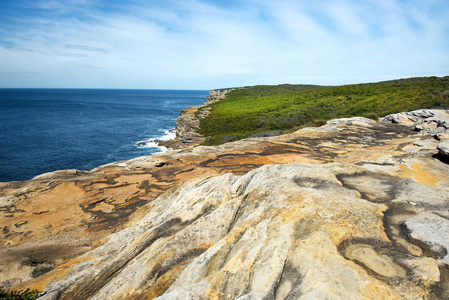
207	44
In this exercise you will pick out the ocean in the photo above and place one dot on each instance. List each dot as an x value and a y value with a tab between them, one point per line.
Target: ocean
43	130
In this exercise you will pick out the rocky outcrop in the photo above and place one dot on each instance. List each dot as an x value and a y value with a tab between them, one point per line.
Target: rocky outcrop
186	126
218	94
189	122
355	209
280	231
426	121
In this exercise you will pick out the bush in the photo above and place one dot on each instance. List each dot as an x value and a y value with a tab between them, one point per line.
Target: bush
318	122
41	266
19	295
371	115
38	271
32	261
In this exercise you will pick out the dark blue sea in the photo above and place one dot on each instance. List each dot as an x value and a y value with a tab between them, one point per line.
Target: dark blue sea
43	130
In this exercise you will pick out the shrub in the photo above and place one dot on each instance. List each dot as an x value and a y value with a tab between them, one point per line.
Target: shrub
41	266
38	271
31	261
19	295
318	122
371	115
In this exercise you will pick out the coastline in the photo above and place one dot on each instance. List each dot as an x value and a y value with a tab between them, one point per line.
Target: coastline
346	189
218	188
188	122
51	130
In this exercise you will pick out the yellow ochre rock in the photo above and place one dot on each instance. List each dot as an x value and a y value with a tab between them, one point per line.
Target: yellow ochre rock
355	209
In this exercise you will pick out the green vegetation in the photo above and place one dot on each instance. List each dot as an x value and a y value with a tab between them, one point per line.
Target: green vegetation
38	271
251	110
32	261
41	266
19	295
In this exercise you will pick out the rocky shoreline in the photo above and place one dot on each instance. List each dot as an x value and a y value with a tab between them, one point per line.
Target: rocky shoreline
189	121
354	209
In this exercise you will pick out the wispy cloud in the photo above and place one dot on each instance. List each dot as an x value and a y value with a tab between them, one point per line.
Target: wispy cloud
21	49
86	48
207	44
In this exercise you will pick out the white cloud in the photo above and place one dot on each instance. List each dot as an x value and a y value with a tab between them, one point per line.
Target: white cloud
195	44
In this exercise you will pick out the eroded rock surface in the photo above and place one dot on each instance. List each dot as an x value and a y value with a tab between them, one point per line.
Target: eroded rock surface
340	211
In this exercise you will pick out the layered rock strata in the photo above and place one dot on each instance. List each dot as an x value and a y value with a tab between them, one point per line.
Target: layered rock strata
355	209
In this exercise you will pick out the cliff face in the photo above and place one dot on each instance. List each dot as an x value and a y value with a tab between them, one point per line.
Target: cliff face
219	93
355	209
189	121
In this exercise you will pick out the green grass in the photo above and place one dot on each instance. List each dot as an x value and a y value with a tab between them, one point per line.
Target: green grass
250	110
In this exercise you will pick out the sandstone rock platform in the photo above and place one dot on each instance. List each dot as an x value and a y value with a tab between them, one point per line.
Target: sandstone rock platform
355	209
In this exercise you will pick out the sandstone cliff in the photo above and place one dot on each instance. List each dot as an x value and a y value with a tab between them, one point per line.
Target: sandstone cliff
189	121
355	209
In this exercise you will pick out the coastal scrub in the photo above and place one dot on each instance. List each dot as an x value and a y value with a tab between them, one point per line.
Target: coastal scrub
283	108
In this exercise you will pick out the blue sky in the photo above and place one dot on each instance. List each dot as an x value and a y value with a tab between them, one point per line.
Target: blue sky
206	44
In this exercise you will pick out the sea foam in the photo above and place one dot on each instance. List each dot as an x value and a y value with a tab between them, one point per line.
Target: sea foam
169	134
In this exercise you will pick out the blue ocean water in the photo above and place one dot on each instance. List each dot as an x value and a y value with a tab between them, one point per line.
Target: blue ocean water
43	130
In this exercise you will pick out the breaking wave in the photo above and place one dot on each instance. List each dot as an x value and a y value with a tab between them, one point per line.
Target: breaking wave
153	142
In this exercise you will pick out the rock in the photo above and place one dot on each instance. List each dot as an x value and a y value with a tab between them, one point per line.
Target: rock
443	149
424	269
8	283
432	230
422	113
418	128
246	243
358	121
442	136
400	118
426	121
381	264
279	230
218	94
59	174
189	122
317	213
8	201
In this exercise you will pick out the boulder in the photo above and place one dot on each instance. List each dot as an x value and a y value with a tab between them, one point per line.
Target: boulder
443	149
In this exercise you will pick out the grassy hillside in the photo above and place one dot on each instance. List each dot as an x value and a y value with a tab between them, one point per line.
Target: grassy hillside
258	109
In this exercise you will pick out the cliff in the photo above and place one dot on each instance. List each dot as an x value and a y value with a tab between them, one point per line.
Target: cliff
355	209
188	122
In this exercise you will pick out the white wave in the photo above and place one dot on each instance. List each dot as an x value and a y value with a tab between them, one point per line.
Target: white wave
153	142
168	134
